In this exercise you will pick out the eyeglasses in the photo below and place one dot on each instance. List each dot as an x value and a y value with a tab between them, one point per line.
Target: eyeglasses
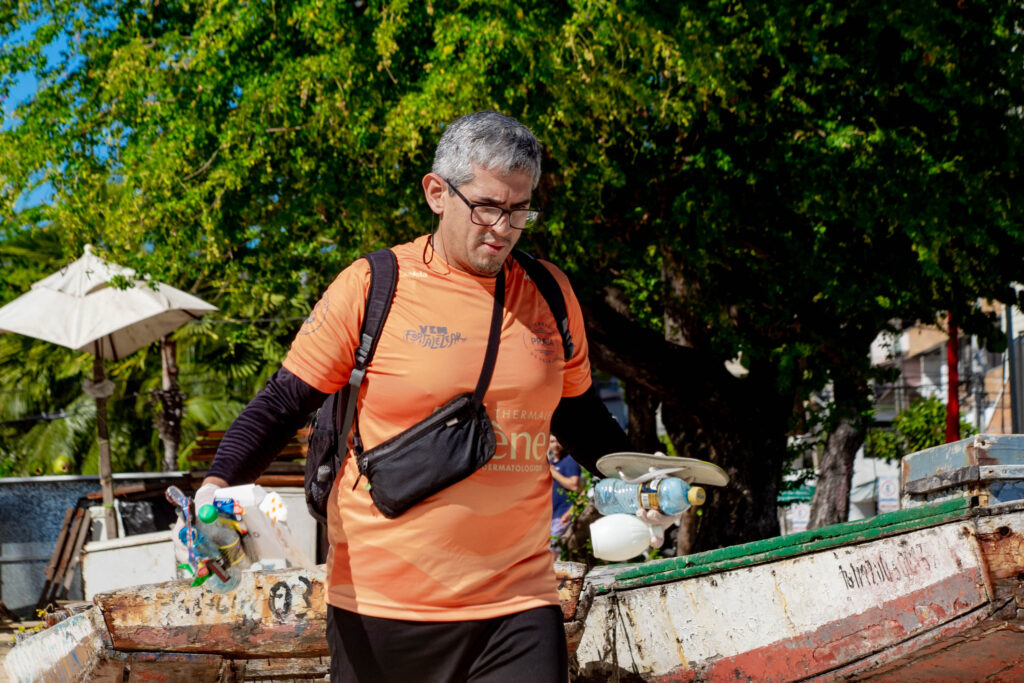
486	214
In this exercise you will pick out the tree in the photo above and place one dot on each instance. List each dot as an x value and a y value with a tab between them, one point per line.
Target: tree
921	426
769	182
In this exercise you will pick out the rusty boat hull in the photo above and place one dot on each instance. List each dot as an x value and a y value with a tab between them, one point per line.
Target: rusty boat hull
928	594
931	592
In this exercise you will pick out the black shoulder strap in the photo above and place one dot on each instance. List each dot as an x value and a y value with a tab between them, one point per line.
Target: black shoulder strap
552	293
383	279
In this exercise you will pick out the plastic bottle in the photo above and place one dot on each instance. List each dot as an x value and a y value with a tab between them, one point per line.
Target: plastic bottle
669	495
226	538
232	514
209	550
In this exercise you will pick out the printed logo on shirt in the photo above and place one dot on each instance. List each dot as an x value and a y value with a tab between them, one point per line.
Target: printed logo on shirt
527	450
433	337
543	341
316	317
523	451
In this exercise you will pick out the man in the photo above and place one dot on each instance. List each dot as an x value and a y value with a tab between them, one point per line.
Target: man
565	477
460	586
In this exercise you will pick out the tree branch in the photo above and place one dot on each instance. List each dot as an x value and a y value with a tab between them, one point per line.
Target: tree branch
636	354
202	168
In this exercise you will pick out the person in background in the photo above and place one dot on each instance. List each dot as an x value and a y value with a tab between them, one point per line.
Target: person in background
565	477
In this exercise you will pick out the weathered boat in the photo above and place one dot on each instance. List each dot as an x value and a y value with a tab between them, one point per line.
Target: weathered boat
932	592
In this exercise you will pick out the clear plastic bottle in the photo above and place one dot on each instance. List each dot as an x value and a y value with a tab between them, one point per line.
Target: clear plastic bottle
670	495
220	531
209	550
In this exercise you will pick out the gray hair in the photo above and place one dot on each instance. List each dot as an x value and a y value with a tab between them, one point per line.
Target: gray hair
489	140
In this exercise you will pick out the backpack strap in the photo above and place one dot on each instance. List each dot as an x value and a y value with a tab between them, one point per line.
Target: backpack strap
552	293
383	279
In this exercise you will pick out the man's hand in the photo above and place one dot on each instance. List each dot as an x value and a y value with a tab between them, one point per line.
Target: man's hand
658	521
205	494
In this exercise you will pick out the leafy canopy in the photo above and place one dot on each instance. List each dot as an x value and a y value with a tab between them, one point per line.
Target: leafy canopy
780	180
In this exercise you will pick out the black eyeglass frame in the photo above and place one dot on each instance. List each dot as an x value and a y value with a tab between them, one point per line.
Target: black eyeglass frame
472	210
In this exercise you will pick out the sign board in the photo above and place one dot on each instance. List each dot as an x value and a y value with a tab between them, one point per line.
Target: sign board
888	494
799	516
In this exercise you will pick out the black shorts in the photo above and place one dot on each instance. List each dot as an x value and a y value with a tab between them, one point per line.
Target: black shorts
528	646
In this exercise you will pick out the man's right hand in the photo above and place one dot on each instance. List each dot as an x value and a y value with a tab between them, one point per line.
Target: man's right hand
206	494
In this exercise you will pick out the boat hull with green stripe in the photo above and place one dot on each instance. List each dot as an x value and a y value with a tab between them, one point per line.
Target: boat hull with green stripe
931	592
928	593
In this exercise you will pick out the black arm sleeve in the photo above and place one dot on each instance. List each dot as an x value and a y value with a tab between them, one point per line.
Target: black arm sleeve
587	430
264	427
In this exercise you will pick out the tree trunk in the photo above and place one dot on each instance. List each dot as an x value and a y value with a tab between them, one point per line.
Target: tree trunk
746	437
738	424
831	502
686	535
643	418
103	446
172	405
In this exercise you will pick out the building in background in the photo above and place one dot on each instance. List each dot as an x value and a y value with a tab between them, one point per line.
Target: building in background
990	387
991	391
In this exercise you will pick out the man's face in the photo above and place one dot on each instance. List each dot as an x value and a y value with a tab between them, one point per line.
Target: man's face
480	249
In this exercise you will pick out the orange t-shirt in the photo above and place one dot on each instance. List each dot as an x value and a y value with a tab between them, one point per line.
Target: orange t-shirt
479	548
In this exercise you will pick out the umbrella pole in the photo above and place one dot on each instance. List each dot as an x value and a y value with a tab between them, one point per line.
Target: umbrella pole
103	440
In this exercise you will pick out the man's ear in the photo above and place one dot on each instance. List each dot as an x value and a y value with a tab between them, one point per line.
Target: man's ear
434	190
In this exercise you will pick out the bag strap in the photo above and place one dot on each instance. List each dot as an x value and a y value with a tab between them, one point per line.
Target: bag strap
383	279
552	293
491	356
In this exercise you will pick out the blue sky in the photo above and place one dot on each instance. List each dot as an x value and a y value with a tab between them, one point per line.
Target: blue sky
25	85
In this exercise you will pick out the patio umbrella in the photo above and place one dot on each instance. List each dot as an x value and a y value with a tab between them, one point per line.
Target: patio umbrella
79	308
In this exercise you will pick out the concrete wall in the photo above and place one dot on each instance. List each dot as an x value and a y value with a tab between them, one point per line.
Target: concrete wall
31	513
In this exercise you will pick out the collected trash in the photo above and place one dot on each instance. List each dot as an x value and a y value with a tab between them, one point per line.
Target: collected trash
244	528
670	495
642	481
619	537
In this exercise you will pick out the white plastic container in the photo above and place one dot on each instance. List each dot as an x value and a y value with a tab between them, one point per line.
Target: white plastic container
619	537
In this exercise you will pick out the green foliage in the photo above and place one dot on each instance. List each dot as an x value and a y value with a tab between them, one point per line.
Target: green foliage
578	500
808	172
920	426
781	180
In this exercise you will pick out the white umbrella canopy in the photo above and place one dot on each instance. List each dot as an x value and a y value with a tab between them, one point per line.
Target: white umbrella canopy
79	308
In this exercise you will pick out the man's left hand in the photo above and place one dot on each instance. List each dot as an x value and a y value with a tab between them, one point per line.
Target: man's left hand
658	521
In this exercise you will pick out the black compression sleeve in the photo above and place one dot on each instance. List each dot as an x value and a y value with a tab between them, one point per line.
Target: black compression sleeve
264	427
587	430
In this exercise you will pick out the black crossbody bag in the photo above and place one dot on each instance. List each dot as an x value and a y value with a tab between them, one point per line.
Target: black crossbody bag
445	448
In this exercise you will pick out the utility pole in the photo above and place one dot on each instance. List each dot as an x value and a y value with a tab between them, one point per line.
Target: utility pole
979	396
953	390
978	383
1011	350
